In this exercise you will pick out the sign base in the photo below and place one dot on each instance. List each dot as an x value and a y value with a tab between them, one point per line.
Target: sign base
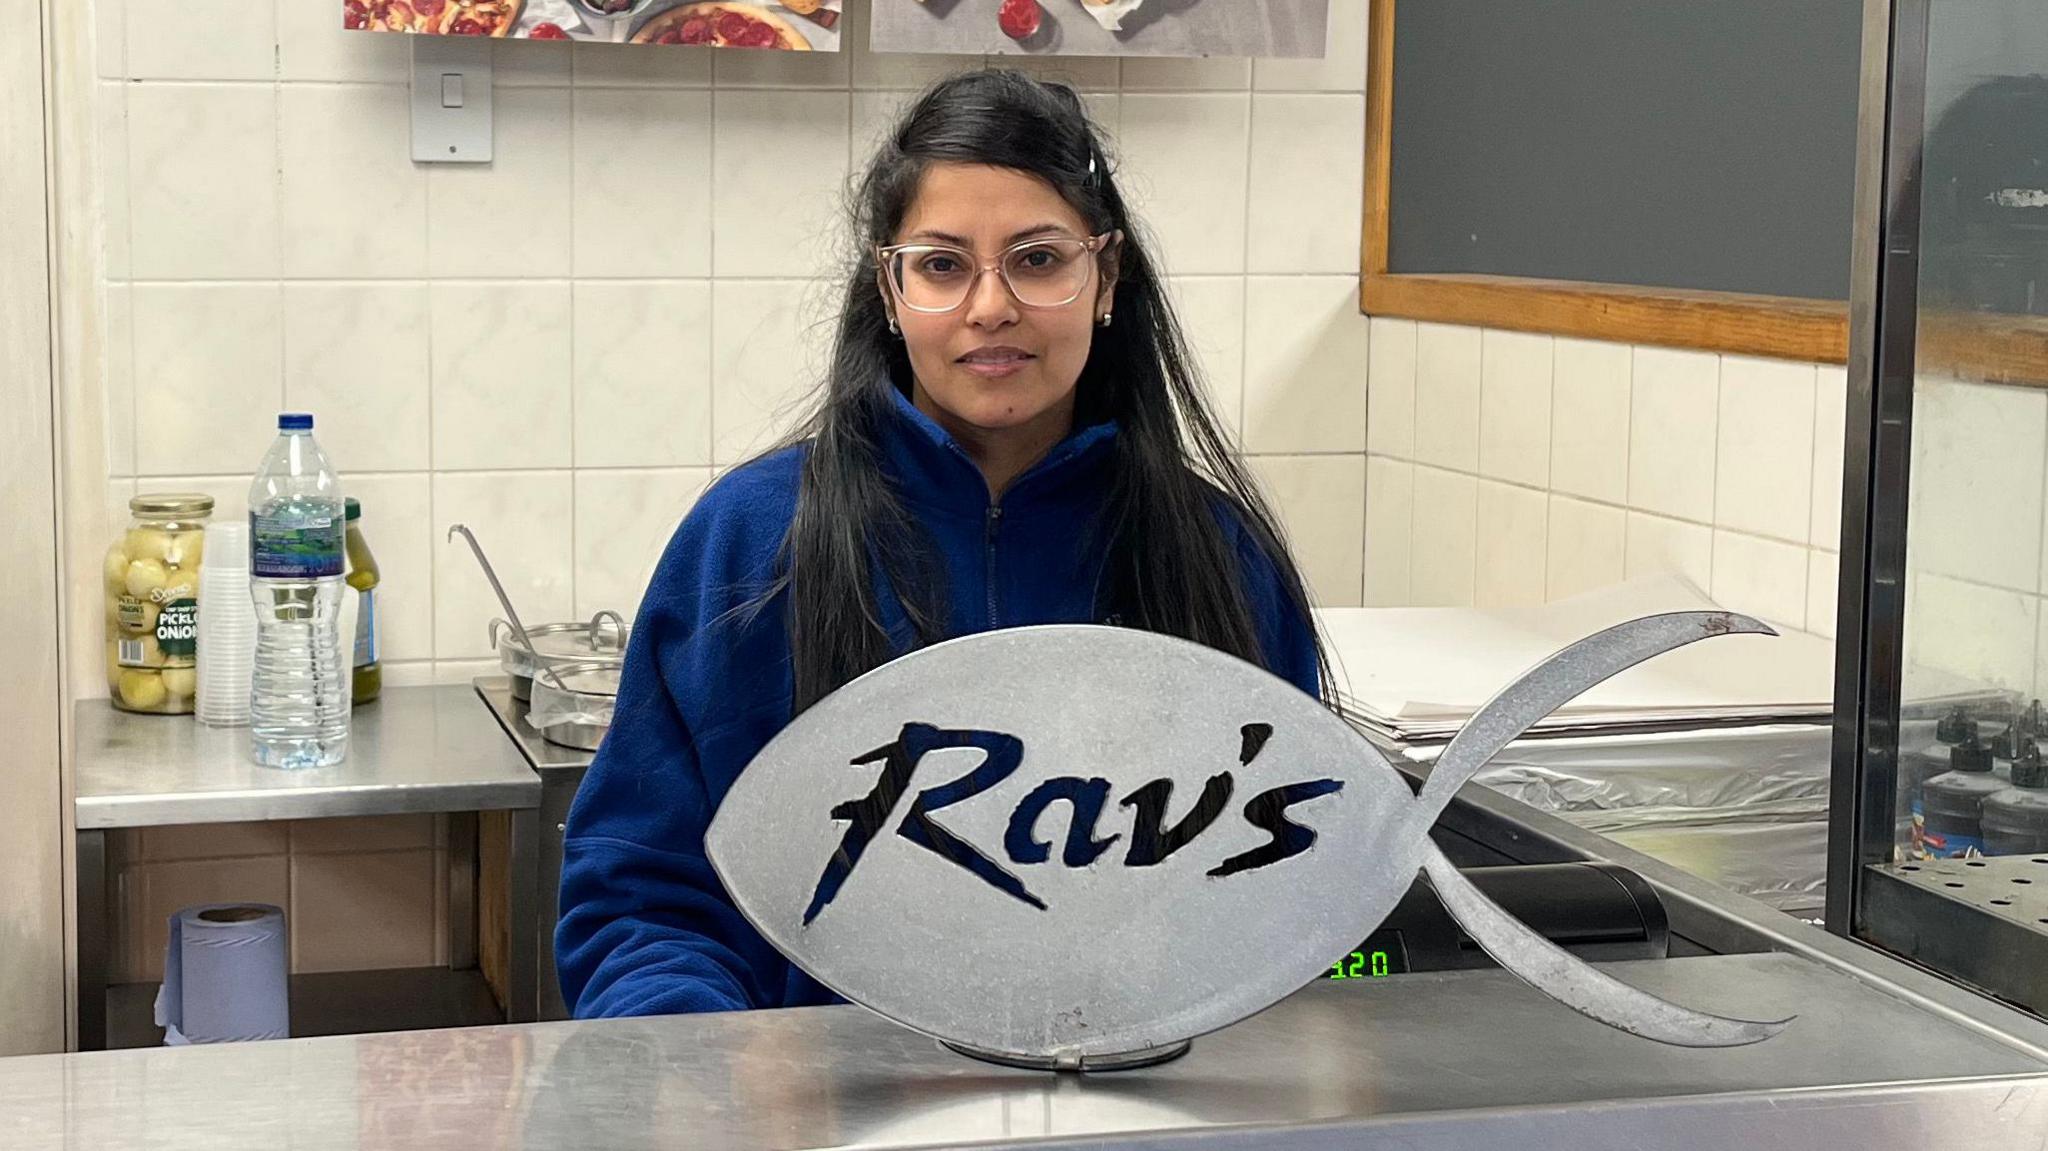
1120	1061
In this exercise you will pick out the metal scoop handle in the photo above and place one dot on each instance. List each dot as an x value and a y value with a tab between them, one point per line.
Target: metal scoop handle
505	601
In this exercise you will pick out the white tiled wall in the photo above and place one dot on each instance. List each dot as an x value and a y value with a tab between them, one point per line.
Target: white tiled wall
560	347
1507	468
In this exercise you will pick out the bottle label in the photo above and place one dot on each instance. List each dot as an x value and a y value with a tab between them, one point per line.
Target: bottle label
1954	846
291	543
366	629
177	631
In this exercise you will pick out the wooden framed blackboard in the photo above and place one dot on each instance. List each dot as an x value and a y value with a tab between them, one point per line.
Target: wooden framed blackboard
1649	171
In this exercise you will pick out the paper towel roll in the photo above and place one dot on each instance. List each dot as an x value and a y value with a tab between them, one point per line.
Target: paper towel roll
225	976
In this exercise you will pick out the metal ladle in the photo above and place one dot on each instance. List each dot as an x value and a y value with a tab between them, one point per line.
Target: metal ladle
505	601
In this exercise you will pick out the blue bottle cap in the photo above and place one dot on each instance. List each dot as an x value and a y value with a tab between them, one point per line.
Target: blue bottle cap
295	422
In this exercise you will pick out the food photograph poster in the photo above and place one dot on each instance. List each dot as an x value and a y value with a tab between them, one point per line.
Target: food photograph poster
788	25
1294	28
1283	28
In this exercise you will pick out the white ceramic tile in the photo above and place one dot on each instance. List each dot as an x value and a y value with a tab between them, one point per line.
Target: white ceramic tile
463	671
530	64
623	522
161	889
874	117
202	39
1389	524
111	104
643	374
1212	312
1321	504
363	912
399	527
1514	407
410	673
780	69
1184	173
1081	73
1976	501
207	377
1823	590
1512	555
1764	463
501	375
1445	539
1760	577
1984	635
638	66
1341	68
1106	110
1587	547
1172	74
1390	389
777	176
1589	419
202	178
1447	389
1304	379
765	362
1672	413
120	377
354	202
312	45
1307	183
513	216
525	523
110	39
355	355
643	182
1657	544
1830	411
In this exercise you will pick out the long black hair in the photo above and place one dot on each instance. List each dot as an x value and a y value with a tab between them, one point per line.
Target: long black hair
1171	565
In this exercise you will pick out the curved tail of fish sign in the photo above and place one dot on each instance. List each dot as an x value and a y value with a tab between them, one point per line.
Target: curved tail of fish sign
1542	964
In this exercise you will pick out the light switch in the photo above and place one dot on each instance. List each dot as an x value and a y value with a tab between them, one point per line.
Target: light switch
451	99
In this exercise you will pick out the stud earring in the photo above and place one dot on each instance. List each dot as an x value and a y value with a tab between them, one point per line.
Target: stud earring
1105	319
894	330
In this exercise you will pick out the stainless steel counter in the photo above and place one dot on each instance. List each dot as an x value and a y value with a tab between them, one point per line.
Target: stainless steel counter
419	749
1470	1060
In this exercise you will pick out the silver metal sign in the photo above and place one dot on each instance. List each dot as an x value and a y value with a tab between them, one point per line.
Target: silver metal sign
1082	847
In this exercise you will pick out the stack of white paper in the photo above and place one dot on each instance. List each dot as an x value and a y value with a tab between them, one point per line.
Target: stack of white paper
1416	674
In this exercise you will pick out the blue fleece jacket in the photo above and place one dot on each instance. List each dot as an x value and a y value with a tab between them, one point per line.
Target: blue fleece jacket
645	926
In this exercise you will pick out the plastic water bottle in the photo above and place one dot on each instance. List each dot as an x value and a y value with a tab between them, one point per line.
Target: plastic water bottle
298	702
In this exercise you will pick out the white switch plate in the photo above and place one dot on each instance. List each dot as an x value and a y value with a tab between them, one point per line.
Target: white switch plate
444	66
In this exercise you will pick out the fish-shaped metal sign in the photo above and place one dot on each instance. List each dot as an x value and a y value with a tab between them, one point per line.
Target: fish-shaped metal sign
1079	847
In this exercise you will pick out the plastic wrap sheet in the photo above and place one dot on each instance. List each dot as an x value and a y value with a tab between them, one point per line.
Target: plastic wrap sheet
1746	808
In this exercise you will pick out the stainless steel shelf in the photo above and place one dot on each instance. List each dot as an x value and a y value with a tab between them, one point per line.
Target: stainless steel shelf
1985	921
336	1003
417	749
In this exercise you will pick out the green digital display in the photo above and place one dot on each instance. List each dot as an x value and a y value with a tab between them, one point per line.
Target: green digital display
1378	957
1363	965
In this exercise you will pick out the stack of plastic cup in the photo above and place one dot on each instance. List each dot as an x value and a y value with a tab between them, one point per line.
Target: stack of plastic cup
227	627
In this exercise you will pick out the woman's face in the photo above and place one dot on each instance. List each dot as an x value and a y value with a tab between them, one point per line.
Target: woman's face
994	366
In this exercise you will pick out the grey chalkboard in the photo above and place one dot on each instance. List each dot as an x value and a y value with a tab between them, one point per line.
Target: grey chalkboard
1707	144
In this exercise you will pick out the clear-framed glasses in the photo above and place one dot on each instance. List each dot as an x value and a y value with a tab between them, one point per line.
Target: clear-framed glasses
1049	272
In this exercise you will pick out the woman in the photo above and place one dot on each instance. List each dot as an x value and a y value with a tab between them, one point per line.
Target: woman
1011	434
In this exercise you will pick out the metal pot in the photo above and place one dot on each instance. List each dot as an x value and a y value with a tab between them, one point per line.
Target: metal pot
589	643
578	713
